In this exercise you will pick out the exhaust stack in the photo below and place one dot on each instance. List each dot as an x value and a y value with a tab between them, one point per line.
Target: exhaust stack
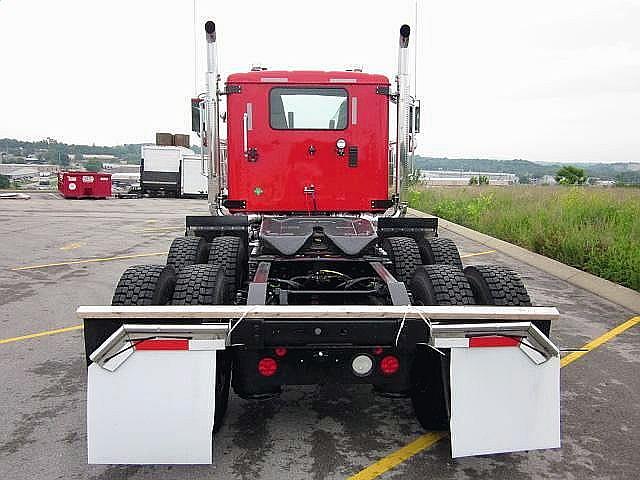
402	124
211	143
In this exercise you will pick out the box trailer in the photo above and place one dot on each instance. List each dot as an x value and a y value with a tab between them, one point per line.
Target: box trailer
84	184
193	179
160	169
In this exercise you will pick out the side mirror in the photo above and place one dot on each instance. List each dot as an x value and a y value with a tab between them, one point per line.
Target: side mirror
195	115
414	118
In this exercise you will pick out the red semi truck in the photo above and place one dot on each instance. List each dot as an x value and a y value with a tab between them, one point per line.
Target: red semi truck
308	271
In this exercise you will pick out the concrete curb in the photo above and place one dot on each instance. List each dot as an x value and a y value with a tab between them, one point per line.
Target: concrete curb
611	291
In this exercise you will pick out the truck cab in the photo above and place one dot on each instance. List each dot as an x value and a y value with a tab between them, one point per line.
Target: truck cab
307	142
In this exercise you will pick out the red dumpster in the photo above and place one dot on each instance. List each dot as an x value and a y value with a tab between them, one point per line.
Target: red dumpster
84	184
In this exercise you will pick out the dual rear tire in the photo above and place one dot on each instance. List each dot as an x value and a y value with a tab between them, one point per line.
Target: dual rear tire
450	285
194	284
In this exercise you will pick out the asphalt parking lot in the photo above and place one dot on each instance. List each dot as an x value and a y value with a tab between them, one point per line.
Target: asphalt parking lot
57	254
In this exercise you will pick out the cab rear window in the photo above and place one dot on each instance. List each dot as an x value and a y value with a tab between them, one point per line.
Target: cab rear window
308	108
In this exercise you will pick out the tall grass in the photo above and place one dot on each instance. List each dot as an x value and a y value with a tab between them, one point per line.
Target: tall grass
596	230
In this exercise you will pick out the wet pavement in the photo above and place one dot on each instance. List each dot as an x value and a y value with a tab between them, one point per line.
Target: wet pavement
308	432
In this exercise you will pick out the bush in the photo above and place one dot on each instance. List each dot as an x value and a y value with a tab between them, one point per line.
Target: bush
596	230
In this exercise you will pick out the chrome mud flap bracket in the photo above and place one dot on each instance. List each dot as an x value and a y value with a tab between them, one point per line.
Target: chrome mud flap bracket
151	395
505	387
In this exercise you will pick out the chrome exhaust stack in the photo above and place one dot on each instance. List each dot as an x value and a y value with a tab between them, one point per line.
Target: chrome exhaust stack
403	118
211	139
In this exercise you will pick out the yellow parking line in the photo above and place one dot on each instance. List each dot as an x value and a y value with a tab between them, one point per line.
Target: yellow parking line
593	344
429	439
72	246
88	260
467	255
40	334
399	456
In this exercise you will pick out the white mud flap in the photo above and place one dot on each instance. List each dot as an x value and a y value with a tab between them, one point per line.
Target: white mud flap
505	391
152	401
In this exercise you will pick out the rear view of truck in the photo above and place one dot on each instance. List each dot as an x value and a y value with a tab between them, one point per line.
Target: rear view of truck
307	272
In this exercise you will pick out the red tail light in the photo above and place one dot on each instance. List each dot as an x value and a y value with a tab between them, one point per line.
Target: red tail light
378	351
494	342
267	367
389	365
280	351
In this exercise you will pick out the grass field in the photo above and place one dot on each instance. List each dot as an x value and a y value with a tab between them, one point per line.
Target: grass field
593	229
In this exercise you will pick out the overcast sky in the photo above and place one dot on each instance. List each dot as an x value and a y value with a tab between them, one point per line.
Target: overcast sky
552	80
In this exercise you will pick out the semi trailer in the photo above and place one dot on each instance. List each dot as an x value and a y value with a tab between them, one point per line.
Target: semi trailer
306	271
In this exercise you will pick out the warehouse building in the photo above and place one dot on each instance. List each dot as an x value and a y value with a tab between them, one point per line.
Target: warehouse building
458	177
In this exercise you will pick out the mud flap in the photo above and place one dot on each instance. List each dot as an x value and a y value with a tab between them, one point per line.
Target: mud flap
503	399
153	401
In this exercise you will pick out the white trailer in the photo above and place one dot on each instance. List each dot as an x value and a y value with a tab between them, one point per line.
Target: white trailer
160	169
193	181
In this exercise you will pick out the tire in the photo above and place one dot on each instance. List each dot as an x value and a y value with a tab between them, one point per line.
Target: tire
145	285
441	251
138	285
205	285
404	255
440	285
498	285
435	285
187	251
200	285
230	253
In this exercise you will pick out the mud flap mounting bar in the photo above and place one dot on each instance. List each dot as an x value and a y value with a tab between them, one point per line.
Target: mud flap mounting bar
225	312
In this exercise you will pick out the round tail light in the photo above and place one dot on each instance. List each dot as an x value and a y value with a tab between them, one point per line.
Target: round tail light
267	367
389	365
362	365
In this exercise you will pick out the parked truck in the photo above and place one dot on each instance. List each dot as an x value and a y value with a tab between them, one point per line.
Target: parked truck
309	271
160	169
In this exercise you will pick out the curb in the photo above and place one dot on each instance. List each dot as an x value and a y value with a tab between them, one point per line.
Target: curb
613	292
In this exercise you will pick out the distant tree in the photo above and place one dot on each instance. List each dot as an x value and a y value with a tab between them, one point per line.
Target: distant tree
483	180
473	181
570	175
524	179
93	165
4	181
62	158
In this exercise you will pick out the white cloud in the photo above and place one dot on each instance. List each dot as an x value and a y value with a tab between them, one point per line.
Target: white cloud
545	80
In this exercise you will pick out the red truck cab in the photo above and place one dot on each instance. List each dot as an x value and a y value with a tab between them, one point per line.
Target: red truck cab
307	142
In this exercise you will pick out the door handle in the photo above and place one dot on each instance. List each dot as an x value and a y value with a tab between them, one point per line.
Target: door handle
245	134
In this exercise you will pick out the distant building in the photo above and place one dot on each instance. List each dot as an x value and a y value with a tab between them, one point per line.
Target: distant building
603	183
545	180
7	168
21	173
456	177
95	156
120	168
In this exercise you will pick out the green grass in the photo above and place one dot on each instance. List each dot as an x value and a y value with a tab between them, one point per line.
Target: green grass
593	229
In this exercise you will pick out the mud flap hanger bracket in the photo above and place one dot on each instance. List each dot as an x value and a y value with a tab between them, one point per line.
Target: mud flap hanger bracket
122	343
531	341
